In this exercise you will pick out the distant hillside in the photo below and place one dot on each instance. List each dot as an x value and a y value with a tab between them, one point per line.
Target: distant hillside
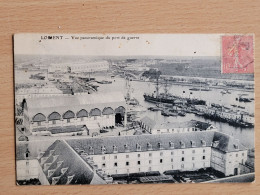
209	67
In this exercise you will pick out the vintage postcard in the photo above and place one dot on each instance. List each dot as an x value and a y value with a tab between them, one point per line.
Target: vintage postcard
134	108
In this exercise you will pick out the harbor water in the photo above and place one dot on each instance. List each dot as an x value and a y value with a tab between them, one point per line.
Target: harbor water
245	135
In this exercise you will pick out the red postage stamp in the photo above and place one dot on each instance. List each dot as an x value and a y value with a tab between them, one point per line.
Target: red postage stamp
237	54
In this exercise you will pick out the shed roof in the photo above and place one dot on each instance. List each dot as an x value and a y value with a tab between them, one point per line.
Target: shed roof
61	104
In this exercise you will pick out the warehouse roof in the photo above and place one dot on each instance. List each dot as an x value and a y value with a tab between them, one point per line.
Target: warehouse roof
61	104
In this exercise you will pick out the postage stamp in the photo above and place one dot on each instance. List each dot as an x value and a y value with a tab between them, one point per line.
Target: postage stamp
237	54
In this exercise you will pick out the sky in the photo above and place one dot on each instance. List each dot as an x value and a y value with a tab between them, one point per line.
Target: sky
145	45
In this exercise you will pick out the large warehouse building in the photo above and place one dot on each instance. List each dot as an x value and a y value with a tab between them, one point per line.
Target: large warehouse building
63	114
79	67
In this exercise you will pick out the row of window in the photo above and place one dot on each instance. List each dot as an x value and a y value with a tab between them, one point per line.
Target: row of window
127	163
237	154
150	154
150	168
179	129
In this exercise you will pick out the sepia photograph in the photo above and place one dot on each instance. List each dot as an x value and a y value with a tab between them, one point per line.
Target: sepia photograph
134	108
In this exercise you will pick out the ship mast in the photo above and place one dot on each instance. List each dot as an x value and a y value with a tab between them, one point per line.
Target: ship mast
128	87
166	88
157	87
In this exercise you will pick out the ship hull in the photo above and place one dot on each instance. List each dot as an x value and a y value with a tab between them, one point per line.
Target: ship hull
158	100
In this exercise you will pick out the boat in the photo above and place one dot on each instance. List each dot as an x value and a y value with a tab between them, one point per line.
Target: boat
241	99
226	107
194	89
216	105
199	113
37	77
181	113
165	113
205	89
162	105
154	108
173	114
104	82
196	102
169	98
160	98
233	105
157	99
223	92
137	108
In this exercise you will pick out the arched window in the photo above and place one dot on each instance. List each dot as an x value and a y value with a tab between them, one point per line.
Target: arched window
54	116
120	109
82	113
95	112
39	118
108	111
69	114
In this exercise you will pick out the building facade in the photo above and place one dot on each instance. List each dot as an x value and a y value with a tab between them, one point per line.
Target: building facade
179	127
163	152
65	114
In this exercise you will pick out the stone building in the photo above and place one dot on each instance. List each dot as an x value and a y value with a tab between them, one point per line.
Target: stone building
154	127
162	152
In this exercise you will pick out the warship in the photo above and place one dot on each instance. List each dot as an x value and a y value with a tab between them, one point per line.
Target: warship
165	97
